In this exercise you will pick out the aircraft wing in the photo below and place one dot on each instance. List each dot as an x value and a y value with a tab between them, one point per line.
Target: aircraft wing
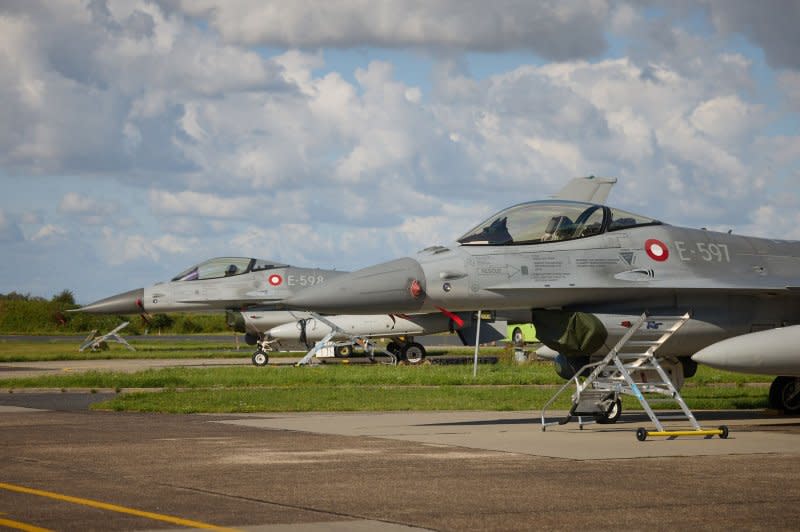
588	189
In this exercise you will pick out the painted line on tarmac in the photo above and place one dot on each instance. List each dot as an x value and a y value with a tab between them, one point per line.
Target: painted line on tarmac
112	507
19	525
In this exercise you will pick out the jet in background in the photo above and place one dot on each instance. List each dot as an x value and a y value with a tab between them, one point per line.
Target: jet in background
564	263
219	284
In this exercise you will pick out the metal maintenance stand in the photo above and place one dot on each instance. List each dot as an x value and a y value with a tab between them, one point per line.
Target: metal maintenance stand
629	371
369	346
96	343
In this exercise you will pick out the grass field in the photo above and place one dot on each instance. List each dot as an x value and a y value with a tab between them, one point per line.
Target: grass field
502	386
27	351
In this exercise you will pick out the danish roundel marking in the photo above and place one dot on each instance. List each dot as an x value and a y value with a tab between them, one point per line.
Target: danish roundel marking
275	279
656	250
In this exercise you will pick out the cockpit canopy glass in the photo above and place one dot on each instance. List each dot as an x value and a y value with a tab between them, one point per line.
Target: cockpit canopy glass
550	221
225	267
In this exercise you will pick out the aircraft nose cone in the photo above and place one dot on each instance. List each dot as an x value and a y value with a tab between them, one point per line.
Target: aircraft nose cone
125	303
394	286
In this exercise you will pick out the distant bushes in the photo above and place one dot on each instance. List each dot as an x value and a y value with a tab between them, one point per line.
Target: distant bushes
26	314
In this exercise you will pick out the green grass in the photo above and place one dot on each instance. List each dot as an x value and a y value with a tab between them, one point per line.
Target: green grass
333	399
289	376
502	386
25	351
396	398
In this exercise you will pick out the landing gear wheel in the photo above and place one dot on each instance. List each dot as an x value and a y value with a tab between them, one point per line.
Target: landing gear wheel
517	338
342	351
260	358
724	434
612	415
413	353
784	394
641	434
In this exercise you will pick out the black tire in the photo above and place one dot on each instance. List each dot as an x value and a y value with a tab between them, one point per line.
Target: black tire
517	338
393	348
784	394
724	429
342	351
413	353
612	416
641	434
260	359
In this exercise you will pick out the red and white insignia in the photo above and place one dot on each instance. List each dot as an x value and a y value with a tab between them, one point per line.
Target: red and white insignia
275	279
656	250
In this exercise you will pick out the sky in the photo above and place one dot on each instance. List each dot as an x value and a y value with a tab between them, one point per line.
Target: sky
139	137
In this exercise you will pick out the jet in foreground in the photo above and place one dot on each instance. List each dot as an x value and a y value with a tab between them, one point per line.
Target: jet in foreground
566	262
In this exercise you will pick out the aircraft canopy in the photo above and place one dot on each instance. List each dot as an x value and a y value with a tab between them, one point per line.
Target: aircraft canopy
550	221
225	267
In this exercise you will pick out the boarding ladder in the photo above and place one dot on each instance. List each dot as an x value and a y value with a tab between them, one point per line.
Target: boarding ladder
627	370
369	346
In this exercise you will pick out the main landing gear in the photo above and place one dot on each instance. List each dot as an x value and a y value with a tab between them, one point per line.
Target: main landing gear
784	394
410	352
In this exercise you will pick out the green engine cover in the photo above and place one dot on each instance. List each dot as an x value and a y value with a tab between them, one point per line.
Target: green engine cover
570	333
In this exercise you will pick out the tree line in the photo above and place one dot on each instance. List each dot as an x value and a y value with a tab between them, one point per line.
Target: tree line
27	314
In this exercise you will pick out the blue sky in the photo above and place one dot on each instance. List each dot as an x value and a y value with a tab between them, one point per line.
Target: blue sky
138	137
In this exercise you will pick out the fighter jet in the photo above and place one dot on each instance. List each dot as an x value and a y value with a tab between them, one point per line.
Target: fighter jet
218	284
566	262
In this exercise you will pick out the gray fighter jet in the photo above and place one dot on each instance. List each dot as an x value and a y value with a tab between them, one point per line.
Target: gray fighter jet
564	263
217	284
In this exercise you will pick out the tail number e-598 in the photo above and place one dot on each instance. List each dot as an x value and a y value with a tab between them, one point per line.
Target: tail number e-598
707	251
304	280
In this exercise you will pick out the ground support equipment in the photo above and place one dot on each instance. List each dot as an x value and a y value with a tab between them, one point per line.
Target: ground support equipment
627	370
370	347
96	343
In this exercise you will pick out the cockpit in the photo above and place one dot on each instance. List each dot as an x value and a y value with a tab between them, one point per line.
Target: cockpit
225	267
550	221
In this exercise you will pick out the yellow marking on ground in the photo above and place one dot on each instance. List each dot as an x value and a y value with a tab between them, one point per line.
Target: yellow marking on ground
112	507
25	527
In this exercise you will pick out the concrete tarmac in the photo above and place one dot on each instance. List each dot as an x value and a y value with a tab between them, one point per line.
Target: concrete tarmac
75	469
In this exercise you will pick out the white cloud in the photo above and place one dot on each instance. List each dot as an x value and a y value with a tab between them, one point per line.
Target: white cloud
118	248
188	203
349	158
49	231
727	118
554	29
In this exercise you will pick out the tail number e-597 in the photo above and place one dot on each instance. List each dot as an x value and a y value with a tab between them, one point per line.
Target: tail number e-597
707	251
